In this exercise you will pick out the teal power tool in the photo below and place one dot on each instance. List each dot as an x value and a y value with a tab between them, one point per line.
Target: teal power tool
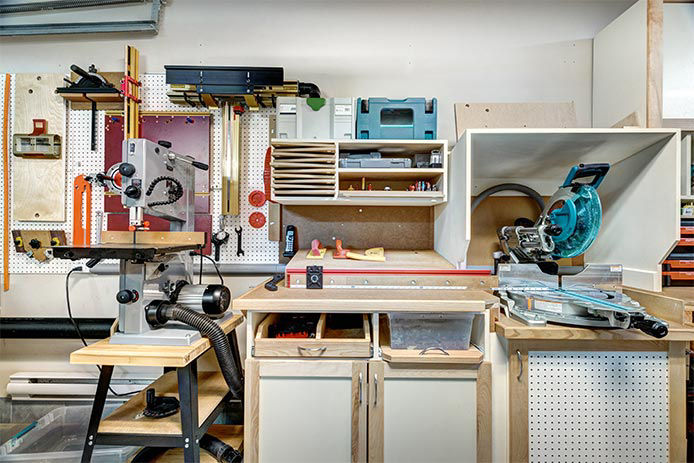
535	290
566	227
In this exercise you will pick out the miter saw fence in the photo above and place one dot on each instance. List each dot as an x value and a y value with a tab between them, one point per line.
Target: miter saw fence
567	226
535	290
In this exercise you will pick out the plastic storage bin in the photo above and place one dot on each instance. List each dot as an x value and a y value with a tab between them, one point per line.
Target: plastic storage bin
385	119
58	437
315	118
448	331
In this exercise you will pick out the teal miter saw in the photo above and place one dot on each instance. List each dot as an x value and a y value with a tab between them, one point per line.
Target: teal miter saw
535	290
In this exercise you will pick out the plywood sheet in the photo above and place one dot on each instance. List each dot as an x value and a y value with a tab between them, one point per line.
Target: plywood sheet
620	77
514	115
362	227
38	185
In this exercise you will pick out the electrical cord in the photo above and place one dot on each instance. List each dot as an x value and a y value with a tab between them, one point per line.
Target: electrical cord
216	267
79	332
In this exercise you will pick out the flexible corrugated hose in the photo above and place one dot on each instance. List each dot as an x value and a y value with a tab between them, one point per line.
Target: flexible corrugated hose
222	452
220	343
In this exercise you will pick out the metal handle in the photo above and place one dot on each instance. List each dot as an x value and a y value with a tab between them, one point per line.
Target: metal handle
520	363
375	389
424	351
360	379
312	349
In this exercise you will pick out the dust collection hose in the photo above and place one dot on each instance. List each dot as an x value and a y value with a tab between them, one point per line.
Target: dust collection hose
222	452
509	187
159	312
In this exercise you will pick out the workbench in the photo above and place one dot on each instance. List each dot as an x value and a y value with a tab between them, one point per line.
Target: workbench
309	400
202	395
581	394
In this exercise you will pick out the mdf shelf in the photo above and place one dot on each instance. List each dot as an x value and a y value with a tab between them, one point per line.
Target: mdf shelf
388	174
229	434
125	419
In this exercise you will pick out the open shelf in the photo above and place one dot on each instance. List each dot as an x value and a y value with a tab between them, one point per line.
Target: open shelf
126	420
390	194
388	174
306	172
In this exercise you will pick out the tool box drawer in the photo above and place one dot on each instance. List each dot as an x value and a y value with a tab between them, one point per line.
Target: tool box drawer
313	335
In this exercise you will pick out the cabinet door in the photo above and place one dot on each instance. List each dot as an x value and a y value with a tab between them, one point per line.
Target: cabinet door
427	414
305	411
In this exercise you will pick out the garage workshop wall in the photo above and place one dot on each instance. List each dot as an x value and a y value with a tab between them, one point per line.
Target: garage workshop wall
485	51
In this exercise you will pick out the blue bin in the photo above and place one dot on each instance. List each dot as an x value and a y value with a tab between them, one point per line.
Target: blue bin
386	119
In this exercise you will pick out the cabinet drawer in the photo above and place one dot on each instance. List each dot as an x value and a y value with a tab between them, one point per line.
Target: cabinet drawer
336	335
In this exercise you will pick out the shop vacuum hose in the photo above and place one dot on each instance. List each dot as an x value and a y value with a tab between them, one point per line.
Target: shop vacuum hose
163	312
222	452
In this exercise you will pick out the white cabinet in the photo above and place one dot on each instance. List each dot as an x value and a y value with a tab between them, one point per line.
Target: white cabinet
435	413
303	411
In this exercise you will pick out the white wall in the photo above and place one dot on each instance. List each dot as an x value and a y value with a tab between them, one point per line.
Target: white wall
482	51
678	60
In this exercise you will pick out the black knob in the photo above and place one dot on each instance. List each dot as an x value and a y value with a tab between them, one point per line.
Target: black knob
133	192
124	296
553	230
35	244
126	169
164	143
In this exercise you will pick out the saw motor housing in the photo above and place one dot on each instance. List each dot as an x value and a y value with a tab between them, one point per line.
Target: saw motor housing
567	226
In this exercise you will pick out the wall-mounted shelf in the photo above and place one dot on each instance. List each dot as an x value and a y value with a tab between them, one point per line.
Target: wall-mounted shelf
306	172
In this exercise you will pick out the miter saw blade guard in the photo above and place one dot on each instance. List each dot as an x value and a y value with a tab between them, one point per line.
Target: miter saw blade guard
567	226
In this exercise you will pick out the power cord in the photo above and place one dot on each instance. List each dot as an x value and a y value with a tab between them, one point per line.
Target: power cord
79	332
216	267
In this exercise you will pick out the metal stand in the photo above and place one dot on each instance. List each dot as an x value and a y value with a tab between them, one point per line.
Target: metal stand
192	431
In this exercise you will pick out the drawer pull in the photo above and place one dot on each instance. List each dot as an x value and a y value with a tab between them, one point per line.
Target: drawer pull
424	351
375	389
360	381
312	349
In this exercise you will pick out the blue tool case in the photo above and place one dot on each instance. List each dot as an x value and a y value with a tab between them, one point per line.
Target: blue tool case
386	119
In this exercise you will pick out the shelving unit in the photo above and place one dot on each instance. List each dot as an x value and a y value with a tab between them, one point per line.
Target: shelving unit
306	172
638	187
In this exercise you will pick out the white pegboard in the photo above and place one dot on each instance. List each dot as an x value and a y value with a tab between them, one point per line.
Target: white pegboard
81	160
598	406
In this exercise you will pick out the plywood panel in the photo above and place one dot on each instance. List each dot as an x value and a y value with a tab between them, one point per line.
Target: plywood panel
429	419
513	115
640	214
620	75
362	227
38	185
305	419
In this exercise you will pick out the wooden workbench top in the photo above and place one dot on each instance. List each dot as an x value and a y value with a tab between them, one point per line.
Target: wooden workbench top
513	329
104	353
415	260
284	299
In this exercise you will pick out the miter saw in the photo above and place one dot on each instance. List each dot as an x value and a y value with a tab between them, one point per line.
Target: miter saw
535	290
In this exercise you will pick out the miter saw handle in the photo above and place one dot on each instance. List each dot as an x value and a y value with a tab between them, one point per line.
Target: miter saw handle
651	327
597	171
